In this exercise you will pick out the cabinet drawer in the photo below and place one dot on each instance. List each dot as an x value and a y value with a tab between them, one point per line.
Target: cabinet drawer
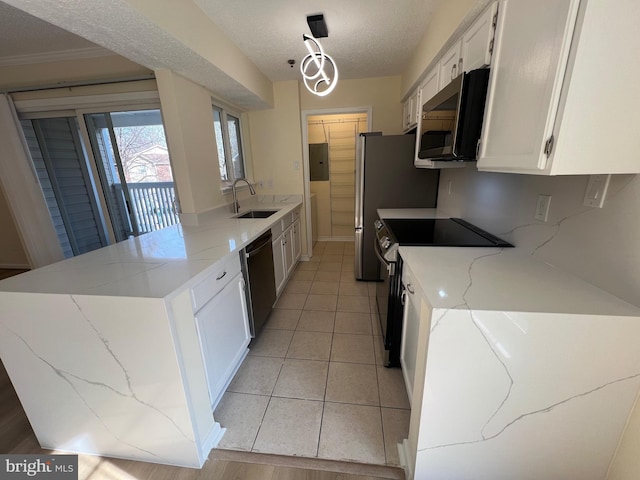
218	276
295	215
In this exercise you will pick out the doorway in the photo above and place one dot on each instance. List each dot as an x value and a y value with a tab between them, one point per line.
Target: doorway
331	158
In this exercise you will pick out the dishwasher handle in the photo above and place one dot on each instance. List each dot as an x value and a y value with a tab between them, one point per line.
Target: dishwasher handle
254	248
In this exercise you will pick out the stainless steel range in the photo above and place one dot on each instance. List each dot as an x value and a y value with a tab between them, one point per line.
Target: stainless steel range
428	232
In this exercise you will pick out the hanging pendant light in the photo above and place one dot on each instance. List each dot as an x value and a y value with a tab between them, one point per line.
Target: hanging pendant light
318	69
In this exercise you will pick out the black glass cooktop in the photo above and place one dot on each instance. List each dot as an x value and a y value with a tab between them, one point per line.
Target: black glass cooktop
441	232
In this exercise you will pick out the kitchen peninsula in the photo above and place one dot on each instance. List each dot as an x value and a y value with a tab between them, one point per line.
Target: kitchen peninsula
103	349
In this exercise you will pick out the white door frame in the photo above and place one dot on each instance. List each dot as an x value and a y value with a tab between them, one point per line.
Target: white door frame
305	114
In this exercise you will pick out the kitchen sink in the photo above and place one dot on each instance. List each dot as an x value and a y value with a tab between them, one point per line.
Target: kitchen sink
257	214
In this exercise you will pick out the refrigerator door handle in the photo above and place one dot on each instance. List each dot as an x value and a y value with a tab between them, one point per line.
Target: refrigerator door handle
359	220
358	253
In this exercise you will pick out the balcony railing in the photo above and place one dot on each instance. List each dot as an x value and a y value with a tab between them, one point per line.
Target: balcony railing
153	205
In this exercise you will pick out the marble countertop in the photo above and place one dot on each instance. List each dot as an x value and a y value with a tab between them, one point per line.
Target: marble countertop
505	279
500	279
151	265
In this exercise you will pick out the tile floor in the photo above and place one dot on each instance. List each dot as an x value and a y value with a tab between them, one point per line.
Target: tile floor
313	384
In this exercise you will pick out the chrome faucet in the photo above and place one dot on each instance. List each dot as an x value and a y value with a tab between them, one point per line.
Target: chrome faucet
236	205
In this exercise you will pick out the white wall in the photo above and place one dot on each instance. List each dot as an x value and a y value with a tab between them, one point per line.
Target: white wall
38	74
188	122
12	253
382	94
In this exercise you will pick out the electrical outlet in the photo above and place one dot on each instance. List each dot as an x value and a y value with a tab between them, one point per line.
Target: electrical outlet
596	190
270	184
542	207
296	165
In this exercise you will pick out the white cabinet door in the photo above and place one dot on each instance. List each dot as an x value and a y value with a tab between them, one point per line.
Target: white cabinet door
410	112
223	330
529	61
429	87
410	328
296	241
287	251
477	41
450	65
278	263
406	113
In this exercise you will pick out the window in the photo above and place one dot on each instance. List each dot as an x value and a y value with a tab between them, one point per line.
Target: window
229	142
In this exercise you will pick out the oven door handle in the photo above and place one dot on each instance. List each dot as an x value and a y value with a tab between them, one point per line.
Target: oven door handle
391	266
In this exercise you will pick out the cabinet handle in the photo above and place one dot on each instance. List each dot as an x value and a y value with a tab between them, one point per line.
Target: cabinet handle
460	64
453	71
403	298
221	276
410	289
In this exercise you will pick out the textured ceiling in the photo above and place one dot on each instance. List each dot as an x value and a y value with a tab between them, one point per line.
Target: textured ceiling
367	38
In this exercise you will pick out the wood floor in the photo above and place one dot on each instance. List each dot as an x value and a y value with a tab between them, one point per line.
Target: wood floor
17	437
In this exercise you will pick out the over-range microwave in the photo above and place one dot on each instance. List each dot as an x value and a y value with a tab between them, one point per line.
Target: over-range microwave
452	120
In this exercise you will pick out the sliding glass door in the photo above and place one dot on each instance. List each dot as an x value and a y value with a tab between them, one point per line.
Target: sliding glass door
132	169
63	173
133	163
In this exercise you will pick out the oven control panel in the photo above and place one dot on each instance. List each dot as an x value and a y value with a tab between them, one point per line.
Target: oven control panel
387	245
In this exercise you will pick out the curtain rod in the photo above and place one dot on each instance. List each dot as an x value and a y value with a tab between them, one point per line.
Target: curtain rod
80	83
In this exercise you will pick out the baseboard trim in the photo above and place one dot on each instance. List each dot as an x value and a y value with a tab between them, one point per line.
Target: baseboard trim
336	239
337	466
405	458
211	442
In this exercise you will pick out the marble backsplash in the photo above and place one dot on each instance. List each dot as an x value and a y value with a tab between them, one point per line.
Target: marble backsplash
597	245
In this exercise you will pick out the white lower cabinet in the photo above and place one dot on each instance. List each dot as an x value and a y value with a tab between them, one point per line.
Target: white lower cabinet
223	329
287	251
296	241
410	329
287	248
278	263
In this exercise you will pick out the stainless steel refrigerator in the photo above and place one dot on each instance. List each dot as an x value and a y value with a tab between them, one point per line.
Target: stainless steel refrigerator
386	178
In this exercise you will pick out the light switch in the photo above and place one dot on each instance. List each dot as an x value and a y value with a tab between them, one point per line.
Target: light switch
596	190
542	207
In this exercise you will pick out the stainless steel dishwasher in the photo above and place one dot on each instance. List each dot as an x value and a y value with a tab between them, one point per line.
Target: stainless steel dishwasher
257	269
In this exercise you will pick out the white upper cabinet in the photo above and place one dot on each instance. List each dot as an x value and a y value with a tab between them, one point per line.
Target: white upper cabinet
563	95
450	65
410	111
477	41
429	87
